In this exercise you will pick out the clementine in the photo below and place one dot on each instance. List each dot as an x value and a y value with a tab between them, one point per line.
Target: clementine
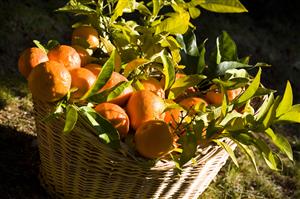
82	79
86	33
215	97
116	115
94	68
29	59
153	85
65	55
49	81
153	139
113	81
85	57
144	105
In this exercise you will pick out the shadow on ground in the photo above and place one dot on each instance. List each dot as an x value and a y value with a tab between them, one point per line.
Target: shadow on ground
19	162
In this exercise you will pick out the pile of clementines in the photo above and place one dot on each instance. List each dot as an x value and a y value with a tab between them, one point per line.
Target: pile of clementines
71	70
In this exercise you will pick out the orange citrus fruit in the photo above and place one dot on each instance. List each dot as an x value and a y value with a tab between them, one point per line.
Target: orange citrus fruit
84	55
94	68
116	115
49	81
82	79
191	102
29	59
65	55
113	81
153	85
144	105
86	33
215	97
153	139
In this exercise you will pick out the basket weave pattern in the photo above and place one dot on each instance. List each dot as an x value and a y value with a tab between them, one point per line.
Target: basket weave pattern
77	165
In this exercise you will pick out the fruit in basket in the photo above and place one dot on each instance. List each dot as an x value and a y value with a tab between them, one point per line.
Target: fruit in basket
87	34
84	55
49	81
143	106
66	55
29	59
113	81
82	79
191	102
153	85
215	97
116	115
153	139
94	68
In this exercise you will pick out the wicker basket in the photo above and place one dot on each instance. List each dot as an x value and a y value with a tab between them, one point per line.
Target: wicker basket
77	165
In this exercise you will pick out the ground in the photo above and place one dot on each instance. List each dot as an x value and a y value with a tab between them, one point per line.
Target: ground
269	33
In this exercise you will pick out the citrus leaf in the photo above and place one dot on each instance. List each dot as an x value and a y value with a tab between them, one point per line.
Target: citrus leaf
156	7
77	7
103	77
194	12
281	142
120	8
181	84
228	65
110	93
201	60
133	65
224	102
189	147
176	23
221	6
229	117
291	116
228	149
286	102
104	129
271	115
263	109
270	158
71	119
295	108
40	46
250	91
248	151
168	70
52	44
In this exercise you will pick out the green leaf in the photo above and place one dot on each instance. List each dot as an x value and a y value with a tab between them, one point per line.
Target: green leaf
281	142
271	115
121	6
222	6
181	84
71	119
286	102
52	44
110	93
228	149
168	70
156	7
104	129
176	23
188	43
291	116
248	151
103	77
134	64
229	117
228	65
194	12
264	108
270	158
78	8
40	46
201	60
250	91
189	147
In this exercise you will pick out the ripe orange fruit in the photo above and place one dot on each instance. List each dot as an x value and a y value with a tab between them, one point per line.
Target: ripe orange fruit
94	68
87	33
116	115
153	85
82	79
49	81
143	106
190	102
113	81
65	55
85	57
29	59
172	117
153	139
215	97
